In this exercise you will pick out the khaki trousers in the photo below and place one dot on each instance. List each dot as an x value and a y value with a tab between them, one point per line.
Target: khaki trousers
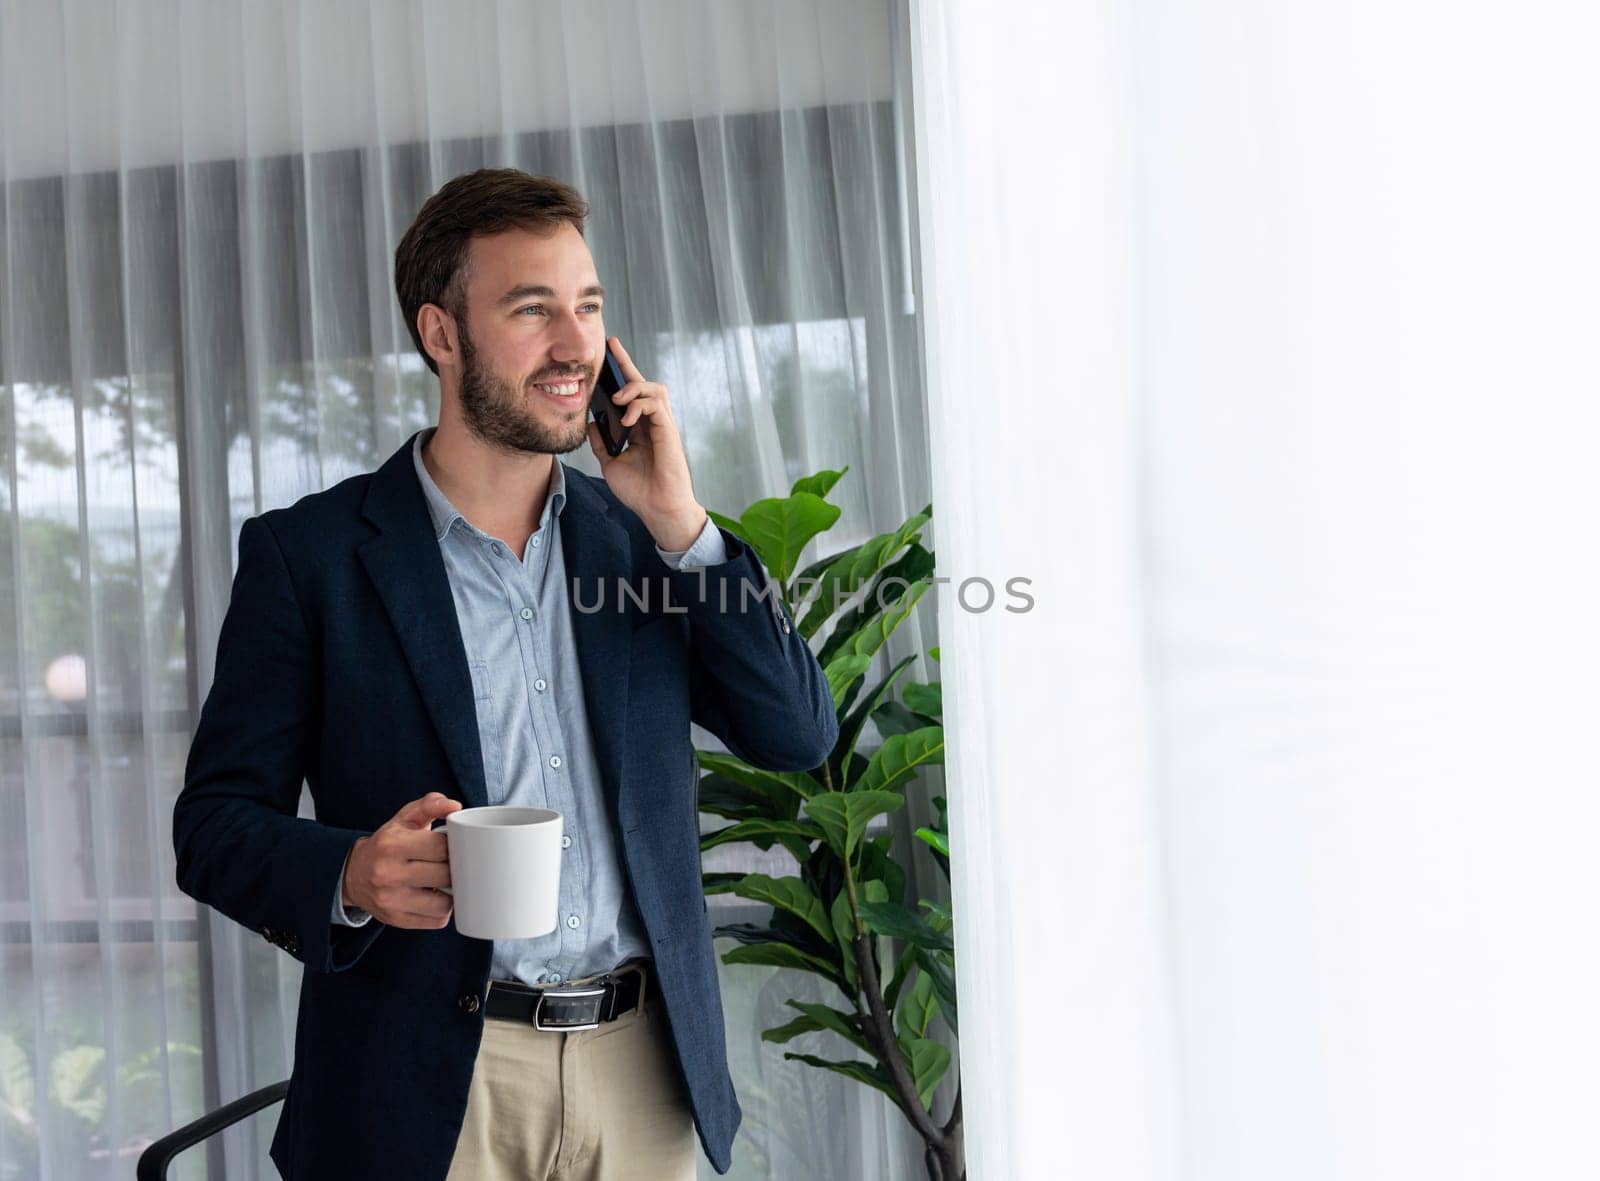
604	1104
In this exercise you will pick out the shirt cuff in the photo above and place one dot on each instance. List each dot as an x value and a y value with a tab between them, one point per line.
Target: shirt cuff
355	916
708	550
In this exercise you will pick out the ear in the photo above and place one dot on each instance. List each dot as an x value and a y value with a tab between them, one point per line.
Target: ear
437	328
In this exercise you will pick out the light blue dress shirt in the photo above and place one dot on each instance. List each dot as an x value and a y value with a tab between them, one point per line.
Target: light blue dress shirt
534	731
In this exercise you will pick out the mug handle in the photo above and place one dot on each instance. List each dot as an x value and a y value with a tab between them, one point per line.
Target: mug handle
432	828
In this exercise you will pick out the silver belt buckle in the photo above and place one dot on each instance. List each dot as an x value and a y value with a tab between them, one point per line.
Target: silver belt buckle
581	1003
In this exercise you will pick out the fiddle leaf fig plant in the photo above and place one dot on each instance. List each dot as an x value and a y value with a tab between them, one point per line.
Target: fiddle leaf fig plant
845	914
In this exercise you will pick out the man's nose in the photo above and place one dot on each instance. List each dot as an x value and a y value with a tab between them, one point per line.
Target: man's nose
570	342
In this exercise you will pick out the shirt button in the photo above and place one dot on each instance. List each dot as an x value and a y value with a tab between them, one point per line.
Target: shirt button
573	920
539	684
555	760
566	842
526	613
555	977
498	548
535	539
469	1003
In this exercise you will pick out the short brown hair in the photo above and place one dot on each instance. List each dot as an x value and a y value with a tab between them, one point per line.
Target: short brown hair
430	260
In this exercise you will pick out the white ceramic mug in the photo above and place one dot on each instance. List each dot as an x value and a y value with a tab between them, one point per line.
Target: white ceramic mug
505	870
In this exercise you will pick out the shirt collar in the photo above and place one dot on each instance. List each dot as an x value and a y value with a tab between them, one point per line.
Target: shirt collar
443	514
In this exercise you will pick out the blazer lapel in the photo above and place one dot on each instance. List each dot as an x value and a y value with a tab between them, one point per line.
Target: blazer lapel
594	546
408	571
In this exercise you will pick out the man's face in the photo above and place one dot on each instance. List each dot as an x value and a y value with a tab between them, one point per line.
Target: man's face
533	354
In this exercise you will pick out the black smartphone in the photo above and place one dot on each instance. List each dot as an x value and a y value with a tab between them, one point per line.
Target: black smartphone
606	413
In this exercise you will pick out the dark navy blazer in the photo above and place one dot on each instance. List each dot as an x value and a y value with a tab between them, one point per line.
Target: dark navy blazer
340	662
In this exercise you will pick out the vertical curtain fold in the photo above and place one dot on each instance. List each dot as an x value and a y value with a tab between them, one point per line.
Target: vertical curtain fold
1029	298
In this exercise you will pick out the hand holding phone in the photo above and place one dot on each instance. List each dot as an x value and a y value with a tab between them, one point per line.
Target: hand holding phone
606	413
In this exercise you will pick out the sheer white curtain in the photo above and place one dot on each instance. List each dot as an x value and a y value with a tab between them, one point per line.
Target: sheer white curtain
200	206
1279	809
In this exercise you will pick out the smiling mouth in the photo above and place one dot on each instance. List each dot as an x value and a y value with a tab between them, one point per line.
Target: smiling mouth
567	389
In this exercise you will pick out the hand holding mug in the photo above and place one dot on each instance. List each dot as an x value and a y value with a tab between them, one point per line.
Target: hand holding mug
396	874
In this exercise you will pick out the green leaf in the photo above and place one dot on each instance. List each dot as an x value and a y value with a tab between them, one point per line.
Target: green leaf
721	796
779	528
719	883
937	964
849	572
847	773
925	698
869	1073
874	634
800	933
782	955
899	757
917	1009
901	970
897	922
940	917
842	672
819	484
892	718
844	815
841	1023
784	789
934	652
790	894
844	933
732	526
814	571
791	1030
823	871
928	1061
757	830
939	841
753	933
850	729
878	865
913	566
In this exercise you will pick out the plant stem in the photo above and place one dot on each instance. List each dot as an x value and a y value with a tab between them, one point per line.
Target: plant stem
859	926
954	1121
955	1154
879	1032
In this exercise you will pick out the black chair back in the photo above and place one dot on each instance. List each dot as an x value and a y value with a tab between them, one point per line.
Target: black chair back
153	1161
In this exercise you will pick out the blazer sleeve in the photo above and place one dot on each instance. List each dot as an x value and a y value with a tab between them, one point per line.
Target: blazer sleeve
240	846
753	680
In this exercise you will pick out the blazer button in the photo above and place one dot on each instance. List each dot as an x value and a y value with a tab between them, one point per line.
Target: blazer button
469	1003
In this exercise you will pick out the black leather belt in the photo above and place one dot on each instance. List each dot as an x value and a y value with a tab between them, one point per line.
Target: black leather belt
563	1008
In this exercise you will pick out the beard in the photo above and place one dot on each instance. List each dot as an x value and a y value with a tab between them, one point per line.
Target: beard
498	414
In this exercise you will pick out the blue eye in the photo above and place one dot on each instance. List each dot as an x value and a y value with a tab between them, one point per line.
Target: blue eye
530	308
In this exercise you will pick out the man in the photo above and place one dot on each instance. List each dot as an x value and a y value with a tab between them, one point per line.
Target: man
425	637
